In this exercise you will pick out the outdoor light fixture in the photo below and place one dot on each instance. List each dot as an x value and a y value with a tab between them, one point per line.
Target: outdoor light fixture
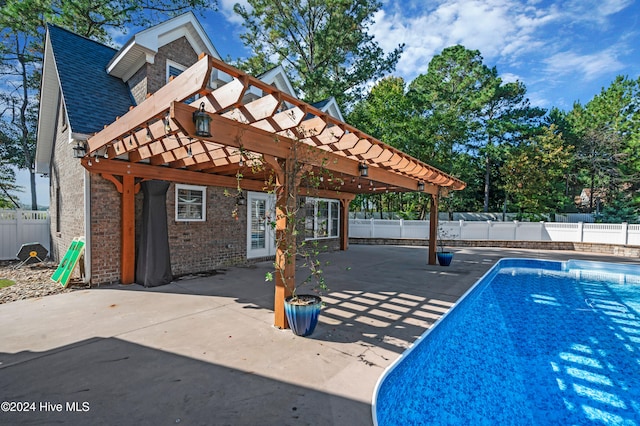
364	169
167	124
421	186
240	200
202	121
80	150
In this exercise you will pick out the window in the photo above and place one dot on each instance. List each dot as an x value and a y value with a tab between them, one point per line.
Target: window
174	69
191	203
322	218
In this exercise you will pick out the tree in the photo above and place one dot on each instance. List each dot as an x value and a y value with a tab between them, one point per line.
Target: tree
21	50
534	173
606	133
450	96
324	45
506	117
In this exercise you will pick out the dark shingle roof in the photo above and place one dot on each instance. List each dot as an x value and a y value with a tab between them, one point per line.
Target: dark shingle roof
321	104
93	98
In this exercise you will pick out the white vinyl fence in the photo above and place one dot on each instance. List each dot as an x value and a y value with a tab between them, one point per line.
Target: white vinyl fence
609	233
18	227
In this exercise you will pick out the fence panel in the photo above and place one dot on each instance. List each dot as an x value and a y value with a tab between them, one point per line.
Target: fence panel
633	238
18	227
416	229
569	232
387	228
605	233
474	231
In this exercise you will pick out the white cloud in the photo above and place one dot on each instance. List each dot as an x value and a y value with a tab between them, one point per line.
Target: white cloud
226	7
508	77
589	66
594	11
497	28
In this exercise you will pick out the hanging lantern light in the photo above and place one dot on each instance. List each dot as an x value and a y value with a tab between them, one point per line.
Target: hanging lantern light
80	150
364	169
202	122
420	186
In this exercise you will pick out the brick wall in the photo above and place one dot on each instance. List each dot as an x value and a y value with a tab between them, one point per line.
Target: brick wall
151	77
179	51
106	240
66	194
138	84
219	241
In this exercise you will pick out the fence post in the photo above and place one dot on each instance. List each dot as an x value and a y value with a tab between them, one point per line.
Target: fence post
372	232
542	227
401	228
580	231
488	230
625	233
19	225
515	230
461	223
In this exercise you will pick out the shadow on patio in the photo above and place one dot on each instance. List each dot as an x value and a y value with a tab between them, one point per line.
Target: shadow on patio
112	381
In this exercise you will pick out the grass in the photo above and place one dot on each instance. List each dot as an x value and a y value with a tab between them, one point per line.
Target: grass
6	283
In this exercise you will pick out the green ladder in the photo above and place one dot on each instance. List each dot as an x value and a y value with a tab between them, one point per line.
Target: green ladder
69	262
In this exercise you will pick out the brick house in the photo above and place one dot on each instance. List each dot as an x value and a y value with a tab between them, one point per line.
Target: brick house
128	114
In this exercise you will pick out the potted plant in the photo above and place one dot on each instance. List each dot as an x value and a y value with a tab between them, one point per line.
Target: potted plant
444	256
283	179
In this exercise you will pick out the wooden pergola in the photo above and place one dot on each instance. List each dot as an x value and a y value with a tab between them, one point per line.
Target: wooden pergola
249	119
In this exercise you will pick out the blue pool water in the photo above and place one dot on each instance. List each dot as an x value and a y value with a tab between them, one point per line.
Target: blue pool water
532	343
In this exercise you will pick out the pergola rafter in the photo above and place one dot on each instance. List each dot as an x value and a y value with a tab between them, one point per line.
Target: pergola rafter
249	120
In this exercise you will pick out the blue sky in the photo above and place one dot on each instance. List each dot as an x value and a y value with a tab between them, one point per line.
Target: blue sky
563	51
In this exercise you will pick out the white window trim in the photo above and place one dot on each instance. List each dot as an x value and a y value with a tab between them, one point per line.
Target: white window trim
331	202
173	64
204	202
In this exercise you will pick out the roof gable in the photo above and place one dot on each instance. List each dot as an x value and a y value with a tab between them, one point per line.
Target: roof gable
143	46
278	78
330	106
91	96
74	68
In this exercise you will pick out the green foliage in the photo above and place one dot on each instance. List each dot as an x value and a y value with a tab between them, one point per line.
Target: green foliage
8	186
534	173
323	44
606	134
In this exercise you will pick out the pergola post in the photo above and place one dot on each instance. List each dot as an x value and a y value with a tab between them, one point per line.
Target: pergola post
344	223
128	230
433	228
286	199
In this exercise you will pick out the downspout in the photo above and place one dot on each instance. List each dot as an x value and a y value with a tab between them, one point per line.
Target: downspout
87	227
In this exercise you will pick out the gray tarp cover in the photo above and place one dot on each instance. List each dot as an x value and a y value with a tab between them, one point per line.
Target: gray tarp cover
153	266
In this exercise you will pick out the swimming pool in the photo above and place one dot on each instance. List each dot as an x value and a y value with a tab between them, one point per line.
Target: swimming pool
532	342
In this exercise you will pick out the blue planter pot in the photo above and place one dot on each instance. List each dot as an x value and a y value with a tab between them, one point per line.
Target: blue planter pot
303	318
444	258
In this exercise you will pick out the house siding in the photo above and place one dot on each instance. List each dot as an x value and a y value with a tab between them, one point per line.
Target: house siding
138	84
203	246
106	234
193	246
66	193
151	77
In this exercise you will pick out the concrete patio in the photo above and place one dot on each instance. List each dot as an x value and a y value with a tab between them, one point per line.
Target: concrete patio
203	350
